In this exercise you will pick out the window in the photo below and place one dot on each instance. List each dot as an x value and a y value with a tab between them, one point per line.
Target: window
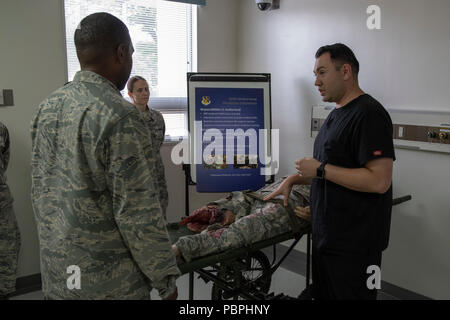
163	35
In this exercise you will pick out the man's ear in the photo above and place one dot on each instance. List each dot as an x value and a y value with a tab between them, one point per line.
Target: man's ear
346	70
122	52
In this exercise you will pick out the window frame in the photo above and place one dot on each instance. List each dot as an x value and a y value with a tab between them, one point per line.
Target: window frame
178	105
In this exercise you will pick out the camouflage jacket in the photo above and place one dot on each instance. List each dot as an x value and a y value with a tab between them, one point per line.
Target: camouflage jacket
6	199
155	123
94	196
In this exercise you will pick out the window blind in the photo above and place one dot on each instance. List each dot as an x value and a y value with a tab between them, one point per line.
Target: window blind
162	33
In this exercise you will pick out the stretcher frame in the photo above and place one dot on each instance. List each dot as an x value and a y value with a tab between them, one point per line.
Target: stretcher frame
225	259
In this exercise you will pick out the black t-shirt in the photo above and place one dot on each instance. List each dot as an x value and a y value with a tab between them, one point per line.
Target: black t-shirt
344	220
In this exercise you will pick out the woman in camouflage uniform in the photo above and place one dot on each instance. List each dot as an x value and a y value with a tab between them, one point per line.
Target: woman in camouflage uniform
139	93
9	232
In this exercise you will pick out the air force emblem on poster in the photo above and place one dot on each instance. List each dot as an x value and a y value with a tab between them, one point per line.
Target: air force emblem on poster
206	100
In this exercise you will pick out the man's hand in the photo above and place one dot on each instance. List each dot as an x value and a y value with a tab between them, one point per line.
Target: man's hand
307	167
303	213
173	296
284	189
176	251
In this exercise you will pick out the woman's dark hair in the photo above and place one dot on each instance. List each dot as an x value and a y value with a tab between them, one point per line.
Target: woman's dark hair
340	54
132	81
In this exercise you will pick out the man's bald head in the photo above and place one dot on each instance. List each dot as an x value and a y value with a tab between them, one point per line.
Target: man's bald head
98	35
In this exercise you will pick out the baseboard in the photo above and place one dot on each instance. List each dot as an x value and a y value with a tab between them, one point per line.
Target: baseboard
296	262
401	293
28	284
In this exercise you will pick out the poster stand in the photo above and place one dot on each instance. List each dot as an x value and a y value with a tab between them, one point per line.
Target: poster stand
188	169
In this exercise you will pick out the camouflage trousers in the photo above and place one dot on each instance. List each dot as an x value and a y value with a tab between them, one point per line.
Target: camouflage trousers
256	220
9	250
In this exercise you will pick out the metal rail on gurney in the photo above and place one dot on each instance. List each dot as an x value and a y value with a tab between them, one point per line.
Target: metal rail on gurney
198	265
176	231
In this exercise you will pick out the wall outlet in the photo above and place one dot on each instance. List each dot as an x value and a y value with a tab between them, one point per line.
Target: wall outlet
315	125
400	132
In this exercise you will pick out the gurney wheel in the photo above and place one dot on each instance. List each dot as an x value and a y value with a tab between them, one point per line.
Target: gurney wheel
257	267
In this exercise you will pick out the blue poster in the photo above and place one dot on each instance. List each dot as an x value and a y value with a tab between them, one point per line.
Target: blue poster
230	120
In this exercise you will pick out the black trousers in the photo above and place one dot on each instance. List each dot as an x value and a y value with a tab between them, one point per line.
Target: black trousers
340	276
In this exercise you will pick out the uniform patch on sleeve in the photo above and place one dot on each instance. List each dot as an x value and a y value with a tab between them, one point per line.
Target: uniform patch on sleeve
377	153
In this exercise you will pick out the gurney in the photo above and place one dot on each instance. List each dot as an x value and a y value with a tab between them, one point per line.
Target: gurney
245	272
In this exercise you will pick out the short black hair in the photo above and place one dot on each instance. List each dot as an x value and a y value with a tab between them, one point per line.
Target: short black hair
340	54
101	32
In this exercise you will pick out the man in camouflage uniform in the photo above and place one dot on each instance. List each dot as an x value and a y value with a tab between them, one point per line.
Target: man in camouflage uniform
93	180
9	232
139	93
255	220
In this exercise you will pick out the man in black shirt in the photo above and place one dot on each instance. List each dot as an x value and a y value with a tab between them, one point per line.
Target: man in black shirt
351	181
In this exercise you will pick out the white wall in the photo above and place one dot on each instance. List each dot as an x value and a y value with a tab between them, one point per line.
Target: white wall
32	64
403	65
217	36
